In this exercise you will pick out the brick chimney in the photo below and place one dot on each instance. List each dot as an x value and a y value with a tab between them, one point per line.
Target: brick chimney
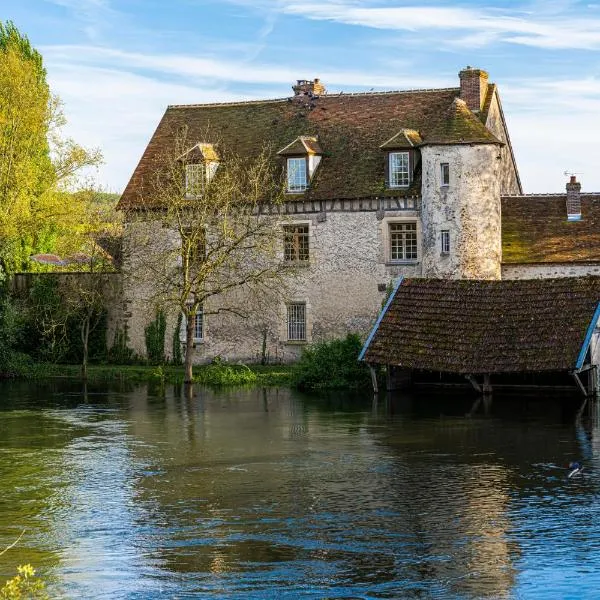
573	199
473	87
308	87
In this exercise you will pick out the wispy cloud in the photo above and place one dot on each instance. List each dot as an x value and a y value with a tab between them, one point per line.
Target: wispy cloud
554	29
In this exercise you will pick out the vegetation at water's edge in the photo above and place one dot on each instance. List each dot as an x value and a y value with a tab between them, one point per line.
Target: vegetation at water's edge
332	365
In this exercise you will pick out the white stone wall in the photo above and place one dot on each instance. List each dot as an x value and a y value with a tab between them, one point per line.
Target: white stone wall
469	208
509	184
549	270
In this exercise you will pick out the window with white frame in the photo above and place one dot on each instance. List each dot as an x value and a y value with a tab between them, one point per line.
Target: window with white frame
445	174
296	243
197	175
296	322
296	175
403	241
445	241
198	326
399	169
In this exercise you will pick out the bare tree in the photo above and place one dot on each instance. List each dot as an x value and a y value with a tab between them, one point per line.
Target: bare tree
206	233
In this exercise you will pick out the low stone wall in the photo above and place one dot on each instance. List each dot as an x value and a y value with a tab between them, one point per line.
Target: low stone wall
549	270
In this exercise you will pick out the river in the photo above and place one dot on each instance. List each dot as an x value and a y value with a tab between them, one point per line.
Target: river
143	493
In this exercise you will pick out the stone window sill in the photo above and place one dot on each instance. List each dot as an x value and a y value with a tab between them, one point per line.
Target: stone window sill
397	263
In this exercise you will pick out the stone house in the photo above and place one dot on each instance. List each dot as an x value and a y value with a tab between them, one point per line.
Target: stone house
380	185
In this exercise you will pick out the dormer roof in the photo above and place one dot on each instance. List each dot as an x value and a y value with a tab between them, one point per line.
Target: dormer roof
404	139
201	152
301	145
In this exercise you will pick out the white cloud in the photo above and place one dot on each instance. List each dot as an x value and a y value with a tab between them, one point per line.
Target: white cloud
544	30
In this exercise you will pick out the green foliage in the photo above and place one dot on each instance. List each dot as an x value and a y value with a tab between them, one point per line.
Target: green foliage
120	353
177	356
155	339
220	374
24	586
331	365
54	326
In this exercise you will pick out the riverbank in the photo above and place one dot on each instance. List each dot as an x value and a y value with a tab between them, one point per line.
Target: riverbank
218	375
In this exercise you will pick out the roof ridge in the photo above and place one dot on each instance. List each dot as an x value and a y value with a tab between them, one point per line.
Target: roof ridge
546	195
287	98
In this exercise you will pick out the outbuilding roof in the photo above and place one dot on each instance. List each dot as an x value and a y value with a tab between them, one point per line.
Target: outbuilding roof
476	327
350	129
535	229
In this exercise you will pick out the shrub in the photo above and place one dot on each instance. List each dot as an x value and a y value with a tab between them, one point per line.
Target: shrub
24	585
331	365
120	353
218	374
155	339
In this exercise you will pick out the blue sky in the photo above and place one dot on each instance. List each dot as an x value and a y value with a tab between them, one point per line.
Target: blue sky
117	64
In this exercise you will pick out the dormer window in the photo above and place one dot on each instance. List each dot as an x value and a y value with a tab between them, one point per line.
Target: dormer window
296	175
303	156
399	169
201	163
402	155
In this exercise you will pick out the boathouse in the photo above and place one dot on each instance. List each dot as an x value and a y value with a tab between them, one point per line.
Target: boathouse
489	332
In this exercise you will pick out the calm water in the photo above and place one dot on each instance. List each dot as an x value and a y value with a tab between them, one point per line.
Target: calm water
267	494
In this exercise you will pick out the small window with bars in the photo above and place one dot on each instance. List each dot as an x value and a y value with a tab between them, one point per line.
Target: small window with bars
296	175
296	247
403	241
445	174
445	241
399	169
199	325
296	322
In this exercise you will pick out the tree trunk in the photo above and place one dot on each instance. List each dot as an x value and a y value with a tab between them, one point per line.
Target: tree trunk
85	337
189	347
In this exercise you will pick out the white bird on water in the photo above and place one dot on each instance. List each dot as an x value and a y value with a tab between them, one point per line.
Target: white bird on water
576	469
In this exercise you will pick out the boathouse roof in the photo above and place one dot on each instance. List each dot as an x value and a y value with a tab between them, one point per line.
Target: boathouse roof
476	327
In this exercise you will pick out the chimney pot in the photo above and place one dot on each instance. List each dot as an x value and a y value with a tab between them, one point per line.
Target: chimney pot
306	86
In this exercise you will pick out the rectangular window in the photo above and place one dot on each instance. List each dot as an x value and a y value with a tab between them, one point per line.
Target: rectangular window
296	175
295	243
194	179
199	325
296	322
399	169
445	174
445	241
197	175
403	241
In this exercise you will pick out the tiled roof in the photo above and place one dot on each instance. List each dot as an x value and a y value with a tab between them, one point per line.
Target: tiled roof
457	124
535	230
467	326
350	129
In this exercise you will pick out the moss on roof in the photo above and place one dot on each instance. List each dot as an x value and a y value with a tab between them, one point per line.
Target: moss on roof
467	326
535	230
350	129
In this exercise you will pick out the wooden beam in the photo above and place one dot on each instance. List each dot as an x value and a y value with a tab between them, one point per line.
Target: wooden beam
471	379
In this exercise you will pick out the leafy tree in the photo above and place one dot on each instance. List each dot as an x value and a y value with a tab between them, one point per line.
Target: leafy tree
214	249
37	165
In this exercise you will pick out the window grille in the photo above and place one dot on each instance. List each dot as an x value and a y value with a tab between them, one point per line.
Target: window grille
399	169
194	179
445	241
296	175
296	322
403	241
296	243
199	324
445	173
197	175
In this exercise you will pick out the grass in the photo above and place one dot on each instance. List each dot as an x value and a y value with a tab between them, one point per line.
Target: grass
213	375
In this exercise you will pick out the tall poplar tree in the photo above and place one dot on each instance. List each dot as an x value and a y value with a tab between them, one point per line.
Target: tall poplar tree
36	163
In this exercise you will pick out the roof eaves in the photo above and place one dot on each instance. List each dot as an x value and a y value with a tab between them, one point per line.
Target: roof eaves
361	356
